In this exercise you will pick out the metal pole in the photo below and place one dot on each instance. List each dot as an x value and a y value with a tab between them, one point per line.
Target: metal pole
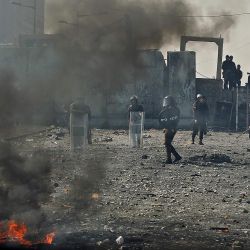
248	106
237	109
35	16
78	23
219	61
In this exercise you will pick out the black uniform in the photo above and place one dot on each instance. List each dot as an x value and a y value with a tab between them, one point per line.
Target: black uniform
79	107
169	119
226	72
238	76
232	75
135	108
201	115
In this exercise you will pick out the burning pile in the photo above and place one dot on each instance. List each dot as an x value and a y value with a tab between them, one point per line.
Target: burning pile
24	186
16	232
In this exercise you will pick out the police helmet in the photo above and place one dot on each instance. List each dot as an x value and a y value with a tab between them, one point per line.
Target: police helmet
199	96
168	100
134	98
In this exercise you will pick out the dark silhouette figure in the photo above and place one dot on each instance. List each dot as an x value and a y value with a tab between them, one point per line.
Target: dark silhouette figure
169	119
232	73
135	106
238	76
201	115
226	70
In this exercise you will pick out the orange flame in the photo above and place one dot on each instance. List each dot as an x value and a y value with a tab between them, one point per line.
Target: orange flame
16	232
95	196
49	238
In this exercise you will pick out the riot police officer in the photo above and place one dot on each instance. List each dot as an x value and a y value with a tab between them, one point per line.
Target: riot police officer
201	115
136	120
169	119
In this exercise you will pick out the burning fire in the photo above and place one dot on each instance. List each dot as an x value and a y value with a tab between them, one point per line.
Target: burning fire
95	196
16	232
49	238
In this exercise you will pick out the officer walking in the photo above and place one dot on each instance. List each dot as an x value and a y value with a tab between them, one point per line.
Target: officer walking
169	119
201	115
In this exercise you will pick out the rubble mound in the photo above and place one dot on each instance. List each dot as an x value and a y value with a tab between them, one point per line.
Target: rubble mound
214	158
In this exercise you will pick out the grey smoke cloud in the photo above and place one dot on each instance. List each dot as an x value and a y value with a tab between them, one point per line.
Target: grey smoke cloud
97	52
24	186
87	184
151	23
99	47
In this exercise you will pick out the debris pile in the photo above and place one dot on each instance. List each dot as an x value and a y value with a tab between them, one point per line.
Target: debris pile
213	158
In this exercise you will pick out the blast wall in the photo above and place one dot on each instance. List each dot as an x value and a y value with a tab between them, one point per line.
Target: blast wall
39	70
181	82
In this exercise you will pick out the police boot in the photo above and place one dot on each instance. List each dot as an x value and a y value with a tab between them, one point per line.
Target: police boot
193	137
169	159
177	156
201	143
138	142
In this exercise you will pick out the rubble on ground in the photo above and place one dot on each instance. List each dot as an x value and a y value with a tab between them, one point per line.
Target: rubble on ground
185	205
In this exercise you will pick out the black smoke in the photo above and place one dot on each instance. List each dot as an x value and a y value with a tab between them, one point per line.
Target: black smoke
97	49
24	186
100	40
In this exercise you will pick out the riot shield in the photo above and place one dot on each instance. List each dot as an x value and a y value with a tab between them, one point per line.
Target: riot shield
79	131
136	128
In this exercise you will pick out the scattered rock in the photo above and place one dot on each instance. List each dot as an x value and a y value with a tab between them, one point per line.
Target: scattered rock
120	240
221	229
196	174
213	158
103	139
219	158
119	132
29	140
144	157
60	132
237	245
103	243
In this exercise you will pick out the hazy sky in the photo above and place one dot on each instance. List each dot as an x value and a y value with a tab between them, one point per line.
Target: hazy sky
236	42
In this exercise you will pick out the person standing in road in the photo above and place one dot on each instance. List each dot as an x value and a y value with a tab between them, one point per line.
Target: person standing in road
169	118
135	113
201	115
